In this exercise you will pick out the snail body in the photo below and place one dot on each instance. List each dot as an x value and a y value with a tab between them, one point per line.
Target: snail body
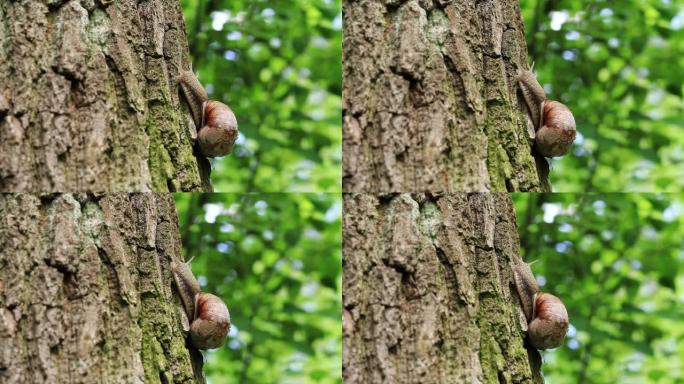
208	315
554	124
546	315
217	127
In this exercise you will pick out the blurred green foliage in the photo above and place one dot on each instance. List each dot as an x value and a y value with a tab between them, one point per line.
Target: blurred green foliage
278	65
276	261
617	262
618	66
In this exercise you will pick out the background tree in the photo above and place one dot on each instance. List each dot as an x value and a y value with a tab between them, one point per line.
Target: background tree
617	261
276	260
431	101
278	65
89	101
613	64
428	290
86	293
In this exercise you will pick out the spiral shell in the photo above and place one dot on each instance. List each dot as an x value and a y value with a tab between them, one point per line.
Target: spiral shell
550	323
219	129
558	131
212	322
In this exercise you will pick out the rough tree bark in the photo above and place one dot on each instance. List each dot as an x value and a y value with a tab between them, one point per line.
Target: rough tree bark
86	293
428	290
431	101
89	101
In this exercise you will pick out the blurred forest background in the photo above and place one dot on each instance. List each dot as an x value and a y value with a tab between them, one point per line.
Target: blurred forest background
276	261
618	66
617	262
278	65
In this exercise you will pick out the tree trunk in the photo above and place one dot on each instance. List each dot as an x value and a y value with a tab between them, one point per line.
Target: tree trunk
431	101
89	100
86	293
428	290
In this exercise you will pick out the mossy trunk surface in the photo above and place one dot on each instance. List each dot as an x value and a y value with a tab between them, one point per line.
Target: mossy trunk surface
431	102
86	294
89	100
428	290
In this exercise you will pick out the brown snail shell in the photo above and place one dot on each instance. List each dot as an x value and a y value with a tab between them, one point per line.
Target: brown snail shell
212	322
219	129
550	323
558	130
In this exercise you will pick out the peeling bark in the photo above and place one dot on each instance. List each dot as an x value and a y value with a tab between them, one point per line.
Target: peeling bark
89	101
86	293
428	290
431	102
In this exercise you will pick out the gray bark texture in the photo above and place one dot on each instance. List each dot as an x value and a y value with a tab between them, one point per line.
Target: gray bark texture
428	290
89	100
86	295
430	98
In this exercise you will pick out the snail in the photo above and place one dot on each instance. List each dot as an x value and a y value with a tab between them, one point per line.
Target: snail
546	315
208	315
553	122
217	127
